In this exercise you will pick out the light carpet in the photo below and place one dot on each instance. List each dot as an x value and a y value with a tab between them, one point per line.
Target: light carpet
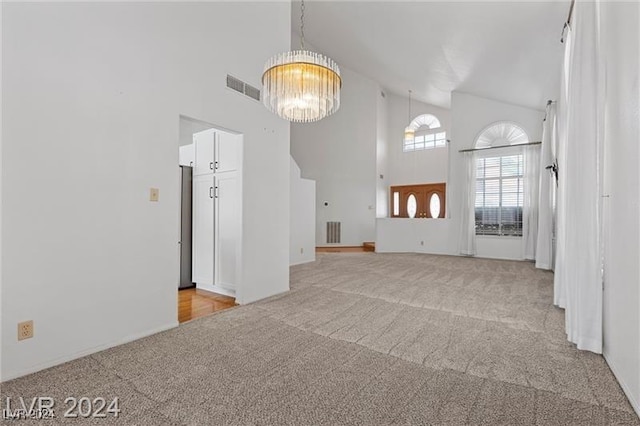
370	339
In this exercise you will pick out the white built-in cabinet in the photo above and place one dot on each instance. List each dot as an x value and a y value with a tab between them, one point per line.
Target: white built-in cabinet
202	227
216	210
227	229
216	152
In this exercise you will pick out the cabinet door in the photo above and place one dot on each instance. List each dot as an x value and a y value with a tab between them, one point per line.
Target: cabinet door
187	155
227	229
205	145
228	154
203	228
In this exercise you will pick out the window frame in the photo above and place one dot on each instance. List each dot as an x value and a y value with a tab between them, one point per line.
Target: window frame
436	143
502	153
425	125
423	193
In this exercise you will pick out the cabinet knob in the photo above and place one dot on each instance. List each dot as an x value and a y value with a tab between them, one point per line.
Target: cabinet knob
211	192
211	165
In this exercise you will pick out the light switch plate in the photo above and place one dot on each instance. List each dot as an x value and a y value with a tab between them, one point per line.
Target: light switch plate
154	194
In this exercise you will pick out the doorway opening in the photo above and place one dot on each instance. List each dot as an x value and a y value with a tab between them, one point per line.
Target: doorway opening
210	160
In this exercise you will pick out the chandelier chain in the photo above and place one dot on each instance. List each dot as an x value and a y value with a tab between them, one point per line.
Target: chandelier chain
302	25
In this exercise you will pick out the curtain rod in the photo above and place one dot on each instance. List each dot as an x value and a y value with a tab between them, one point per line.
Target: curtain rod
501	146
546	110
573	2
568	22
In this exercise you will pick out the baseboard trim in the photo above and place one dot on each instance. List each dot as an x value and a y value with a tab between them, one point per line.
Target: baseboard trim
519	259
265	298
85	352
340	249
302	262
634	404
225	291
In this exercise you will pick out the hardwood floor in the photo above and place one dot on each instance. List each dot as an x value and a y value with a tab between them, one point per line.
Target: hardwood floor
369	246
366	246
194	303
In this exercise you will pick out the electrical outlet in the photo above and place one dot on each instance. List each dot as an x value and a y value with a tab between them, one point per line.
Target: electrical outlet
154	194
301	250
25	330
421	243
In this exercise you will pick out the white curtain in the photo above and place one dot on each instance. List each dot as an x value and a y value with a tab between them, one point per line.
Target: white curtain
547	187
530	201
560	280
468	213
578	277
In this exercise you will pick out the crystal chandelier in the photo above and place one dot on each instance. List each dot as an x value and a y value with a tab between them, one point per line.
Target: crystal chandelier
301	86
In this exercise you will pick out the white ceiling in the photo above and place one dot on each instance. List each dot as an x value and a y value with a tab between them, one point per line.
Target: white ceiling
507	51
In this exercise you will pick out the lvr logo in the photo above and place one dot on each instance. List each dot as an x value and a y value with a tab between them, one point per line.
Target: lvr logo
24	408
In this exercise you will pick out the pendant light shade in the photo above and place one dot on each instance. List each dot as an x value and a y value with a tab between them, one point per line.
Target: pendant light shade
301	86
409	132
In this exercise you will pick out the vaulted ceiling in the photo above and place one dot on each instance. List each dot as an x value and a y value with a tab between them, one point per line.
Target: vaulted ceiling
509	51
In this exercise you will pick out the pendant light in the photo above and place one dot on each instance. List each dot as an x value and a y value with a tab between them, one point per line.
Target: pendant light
301	86
409	132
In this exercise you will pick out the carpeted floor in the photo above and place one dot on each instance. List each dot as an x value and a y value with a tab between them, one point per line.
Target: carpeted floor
365	339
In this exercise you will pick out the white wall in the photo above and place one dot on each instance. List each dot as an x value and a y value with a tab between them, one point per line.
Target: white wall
302	229
621	310
1	183
187	127
382	155
105	85
404	235
469	116
339	153
403	168
426	166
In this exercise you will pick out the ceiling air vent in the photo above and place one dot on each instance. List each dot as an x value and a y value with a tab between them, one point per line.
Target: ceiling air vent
242	87
252	92
235	84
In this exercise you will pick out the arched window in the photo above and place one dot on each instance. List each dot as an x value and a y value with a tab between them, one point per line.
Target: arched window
428	120
428	134
499	181
501	133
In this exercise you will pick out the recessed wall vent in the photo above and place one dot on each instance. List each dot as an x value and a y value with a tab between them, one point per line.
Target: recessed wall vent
235	84
242	87
333	232
252	92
